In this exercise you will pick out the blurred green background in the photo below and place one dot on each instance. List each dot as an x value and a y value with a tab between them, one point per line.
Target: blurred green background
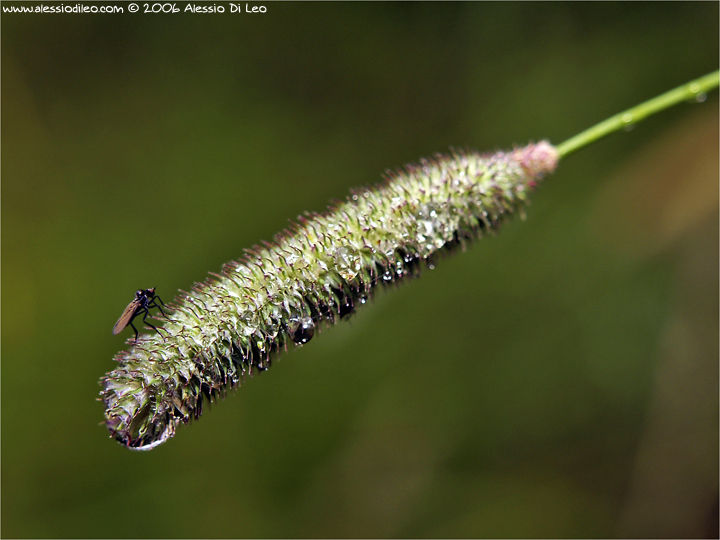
558	380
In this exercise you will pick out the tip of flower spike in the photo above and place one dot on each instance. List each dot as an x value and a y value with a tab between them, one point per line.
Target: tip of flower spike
538	159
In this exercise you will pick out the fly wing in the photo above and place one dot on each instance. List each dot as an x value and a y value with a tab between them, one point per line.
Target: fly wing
126	317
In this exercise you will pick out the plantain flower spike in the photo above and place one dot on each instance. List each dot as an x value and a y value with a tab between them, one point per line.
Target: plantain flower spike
321	270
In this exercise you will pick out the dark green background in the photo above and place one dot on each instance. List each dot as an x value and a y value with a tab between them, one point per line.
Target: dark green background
558	380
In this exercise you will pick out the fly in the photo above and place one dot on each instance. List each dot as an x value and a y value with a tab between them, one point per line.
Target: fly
144	300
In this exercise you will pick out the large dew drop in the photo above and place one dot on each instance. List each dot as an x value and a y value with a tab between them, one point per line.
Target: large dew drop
301	329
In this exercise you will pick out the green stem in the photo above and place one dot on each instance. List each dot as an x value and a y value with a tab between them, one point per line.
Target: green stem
691	90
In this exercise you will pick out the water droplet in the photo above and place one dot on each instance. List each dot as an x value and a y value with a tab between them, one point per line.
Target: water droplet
301	329
290	258
387	276
247	320
628	119
430	226
347	262
699	97
345	307
410	258
272	323
426	227
428	210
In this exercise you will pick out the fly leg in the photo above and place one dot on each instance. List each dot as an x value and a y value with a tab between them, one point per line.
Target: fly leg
153	304
136	332
150	325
